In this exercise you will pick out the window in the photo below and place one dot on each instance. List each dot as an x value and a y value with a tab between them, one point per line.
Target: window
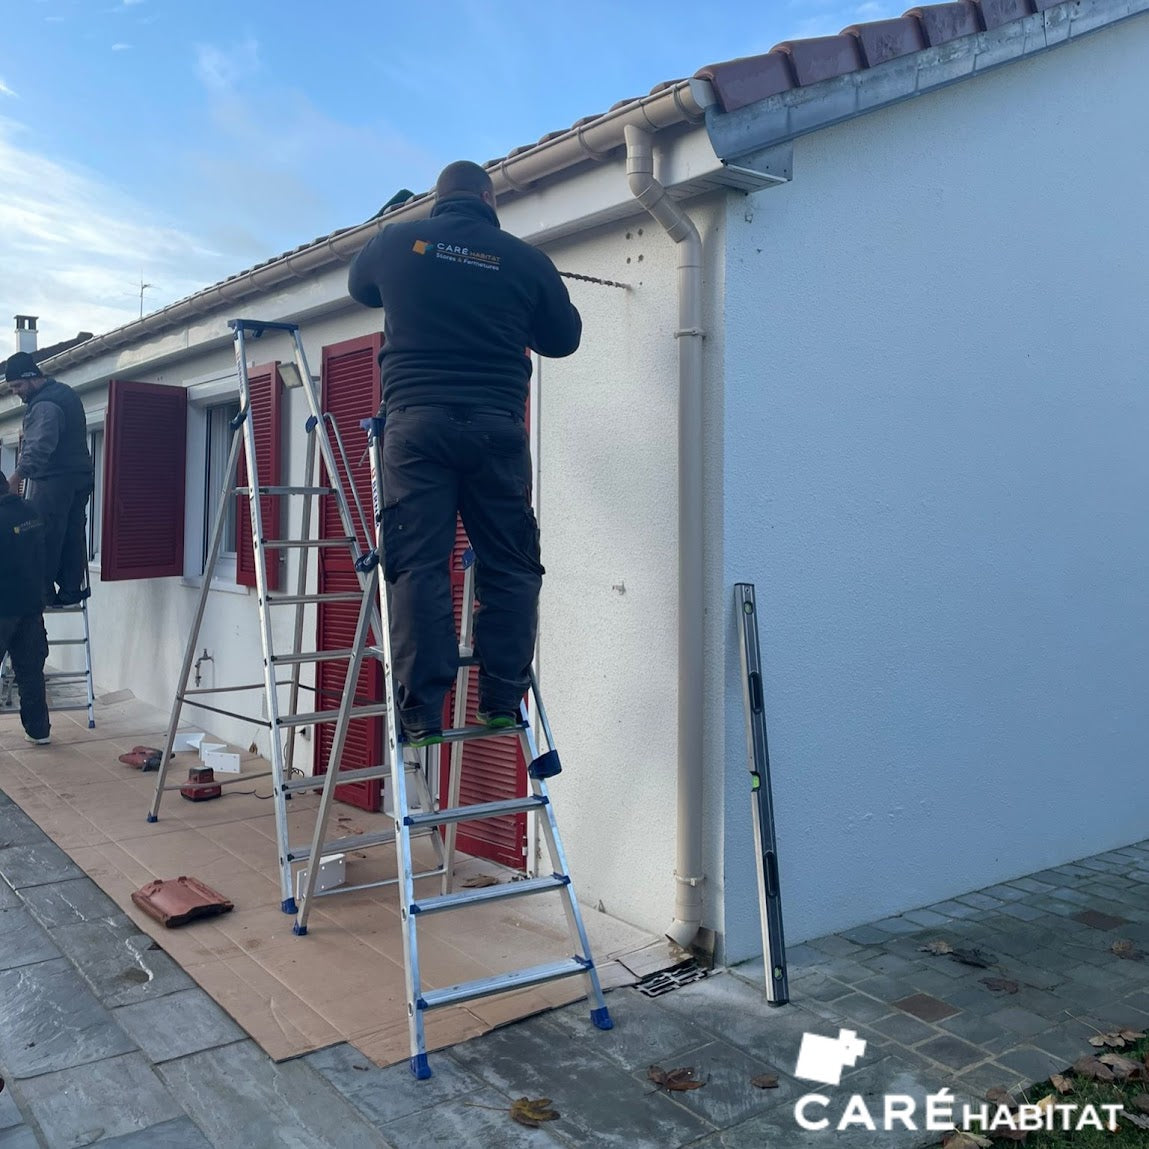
218	440
96	503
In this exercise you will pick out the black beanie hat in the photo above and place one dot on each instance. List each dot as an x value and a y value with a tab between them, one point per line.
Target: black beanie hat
21	366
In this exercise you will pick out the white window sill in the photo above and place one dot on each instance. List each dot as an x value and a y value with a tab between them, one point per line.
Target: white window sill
223	579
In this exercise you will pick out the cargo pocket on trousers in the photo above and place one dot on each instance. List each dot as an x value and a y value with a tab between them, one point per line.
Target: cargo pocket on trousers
394	540
529	544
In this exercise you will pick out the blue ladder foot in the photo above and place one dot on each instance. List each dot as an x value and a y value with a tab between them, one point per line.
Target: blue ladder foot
288	906
601	1018
419	1067
91	724
153	818
298	930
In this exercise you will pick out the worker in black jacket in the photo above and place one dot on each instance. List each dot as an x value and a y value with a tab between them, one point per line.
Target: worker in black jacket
464	301
22	632
54	458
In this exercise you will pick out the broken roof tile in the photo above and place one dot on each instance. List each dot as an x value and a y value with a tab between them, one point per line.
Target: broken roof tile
884	40
822	57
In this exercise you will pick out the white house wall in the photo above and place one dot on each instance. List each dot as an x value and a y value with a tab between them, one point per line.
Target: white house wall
936	474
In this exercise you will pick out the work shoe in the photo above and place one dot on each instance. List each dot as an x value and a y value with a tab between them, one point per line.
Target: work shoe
38	741
417	737
496	719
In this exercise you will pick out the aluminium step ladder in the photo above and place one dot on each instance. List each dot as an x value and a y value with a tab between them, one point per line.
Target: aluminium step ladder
408	822
67	698
282	717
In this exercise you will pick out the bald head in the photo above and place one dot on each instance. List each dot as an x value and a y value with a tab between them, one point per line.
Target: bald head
465	178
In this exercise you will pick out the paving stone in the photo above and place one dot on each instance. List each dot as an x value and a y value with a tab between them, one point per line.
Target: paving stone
976	1029
835	946
10	1114
1066	1042
1031	1063
860	1007
904	1029
37	865
893	965
49	1020
1067	894
1021	910
22	941
979	901
122	964
925	1007
726	1100
480	1119
644	1032
991	1075
953	909
105	1099
177	1024
17	829
8	896
240	1099
865	935
589	1092
1099	920
19	1137
1023	1022
897	925
888	989
974	998
926	918
1032	885
951	1051
1004	892
782	1130
386	1095
801	956
817	987
182	1133
64	903
1098	863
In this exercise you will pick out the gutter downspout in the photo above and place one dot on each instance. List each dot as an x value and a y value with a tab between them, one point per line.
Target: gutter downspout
652	195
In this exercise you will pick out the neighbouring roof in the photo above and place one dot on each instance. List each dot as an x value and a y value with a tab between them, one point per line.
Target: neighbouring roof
789	67
41	354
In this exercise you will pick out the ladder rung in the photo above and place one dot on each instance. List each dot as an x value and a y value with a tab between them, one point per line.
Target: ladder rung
490	894
321	656
320	716
467	733
75	608
69	706
502	983
477	811
296	599
286	490
340	845
67	642
60	675
277	544
357	774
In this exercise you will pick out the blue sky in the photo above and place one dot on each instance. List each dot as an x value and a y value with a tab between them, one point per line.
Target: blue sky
184	140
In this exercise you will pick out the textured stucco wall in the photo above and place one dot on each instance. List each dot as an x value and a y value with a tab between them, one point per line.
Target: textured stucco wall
936	474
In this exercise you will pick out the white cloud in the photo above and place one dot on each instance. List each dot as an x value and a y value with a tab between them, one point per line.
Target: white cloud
5	90
221	70
72	246
120	47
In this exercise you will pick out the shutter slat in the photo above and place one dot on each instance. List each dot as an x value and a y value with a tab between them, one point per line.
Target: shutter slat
265	386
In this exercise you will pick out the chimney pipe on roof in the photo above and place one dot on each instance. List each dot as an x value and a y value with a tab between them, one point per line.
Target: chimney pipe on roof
26	333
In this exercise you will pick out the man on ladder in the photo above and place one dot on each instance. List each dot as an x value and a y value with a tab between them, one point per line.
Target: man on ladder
464	301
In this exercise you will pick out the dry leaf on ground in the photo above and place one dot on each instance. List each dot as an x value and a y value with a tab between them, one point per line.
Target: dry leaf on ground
477	881
1141	1102
1122	1067
674	1080
1092	1069
1124	948
1061	1083
1135	1119
962	1140
974	956
937	947
764	1081
1000	984
1000	1096
533	1113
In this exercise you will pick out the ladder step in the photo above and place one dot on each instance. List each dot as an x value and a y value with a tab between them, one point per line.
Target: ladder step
74	608
358	774
322	656
296	599
502	983
62	675
286	490
280	544
67	642
339	845
320	716
490	894
477	811
467	733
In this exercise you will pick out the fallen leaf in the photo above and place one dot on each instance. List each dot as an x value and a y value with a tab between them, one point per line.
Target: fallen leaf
1122	1067
764	1081
674	1080
477	881
1124	948
962	1140
1092	1069
1132	1034
533	1113
1000	1096
1000	984
938	947
1135	1119
1141	1101
979	958
1061	1083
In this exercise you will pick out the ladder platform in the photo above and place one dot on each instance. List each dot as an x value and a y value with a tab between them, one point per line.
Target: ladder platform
497	893
317	717
503	983
477	811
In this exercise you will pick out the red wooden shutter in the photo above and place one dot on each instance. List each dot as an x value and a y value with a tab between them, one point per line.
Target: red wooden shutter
145	437
350	392
265	386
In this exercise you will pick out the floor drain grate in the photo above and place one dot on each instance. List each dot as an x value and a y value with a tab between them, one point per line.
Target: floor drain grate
666	980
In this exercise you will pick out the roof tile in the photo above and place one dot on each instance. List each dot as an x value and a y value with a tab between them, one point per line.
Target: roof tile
884	40
748	79
994	13
944	22
822	57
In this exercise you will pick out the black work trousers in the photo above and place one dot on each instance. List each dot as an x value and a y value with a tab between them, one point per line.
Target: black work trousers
61	503
27	642
438	461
